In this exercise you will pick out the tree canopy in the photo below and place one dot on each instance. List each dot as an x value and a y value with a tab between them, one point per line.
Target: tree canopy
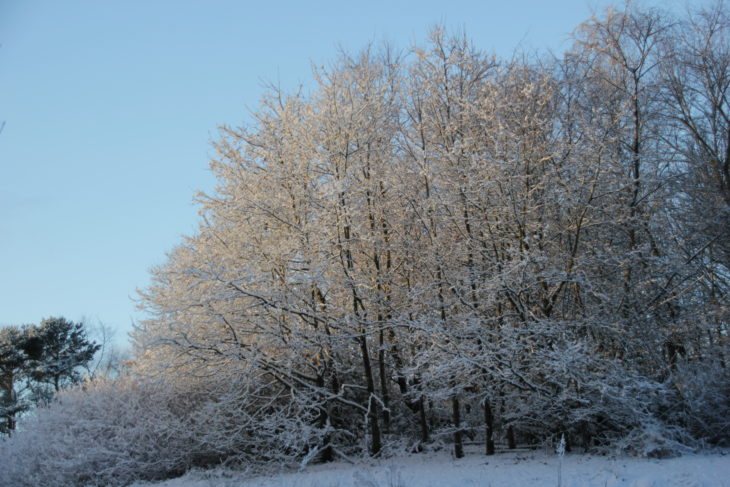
37	360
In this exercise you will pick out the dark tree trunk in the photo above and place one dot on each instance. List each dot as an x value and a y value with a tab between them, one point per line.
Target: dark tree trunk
511	443
423	421
327	454
489	424
7	385
374	424
383	381
458	441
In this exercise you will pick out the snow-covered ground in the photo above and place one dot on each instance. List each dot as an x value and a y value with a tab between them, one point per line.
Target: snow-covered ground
529	469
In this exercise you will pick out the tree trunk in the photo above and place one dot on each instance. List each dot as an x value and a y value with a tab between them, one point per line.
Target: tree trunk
489	425
383	381
425	438
458	441
511	443
374	424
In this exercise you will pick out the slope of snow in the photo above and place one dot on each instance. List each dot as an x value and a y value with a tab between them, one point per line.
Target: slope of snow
533	469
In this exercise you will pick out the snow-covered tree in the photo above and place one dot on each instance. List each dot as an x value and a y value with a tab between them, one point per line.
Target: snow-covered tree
444	245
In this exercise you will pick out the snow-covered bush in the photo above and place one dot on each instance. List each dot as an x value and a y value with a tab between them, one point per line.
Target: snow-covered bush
112	432
104	432
652	438
703	401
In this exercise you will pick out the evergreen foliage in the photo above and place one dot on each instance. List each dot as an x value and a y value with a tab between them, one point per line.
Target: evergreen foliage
36	361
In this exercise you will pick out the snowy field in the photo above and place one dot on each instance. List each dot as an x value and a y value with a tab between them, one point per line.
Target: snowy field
533	469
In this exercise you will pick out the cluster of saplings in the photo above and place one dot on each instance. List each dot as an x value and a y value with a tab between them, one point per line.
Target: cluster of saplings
434	248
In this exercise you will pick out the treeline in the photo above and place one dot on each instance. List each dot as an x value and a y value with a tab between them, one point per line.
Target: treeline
444	246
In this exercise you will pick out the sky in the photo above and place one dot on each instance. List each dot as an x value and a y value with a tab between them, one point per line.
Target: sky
108	110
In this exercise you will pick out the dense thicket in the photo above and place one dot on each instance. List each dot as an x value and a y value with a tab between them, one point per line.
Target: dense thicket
444	246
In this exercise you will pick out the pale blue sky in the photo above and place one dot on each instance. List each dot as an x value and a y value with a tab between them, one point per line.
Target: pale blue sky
109	108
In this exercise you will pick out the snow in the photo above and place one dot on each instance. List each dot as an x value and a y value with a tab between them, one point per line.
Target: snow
513	469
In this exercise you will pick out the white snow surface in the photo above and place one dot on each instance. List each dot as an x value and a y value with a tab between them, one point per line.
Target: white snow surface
513	469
